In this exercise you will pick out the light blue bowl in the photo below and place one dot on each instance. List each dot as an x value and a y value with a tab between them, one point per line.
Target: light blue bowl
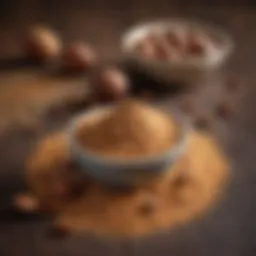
120	172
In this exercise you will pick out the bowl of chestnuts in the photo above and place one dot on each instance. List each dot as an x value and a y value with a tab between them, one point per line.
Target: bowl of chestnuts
176	50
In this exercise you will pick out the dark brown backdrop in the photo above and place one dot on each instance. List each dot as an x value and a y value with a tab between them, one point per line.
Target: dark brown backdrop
231	228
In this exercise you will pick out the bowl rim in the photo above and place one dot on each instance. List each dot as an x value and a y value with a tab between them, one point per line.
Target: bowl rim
77	150
227	41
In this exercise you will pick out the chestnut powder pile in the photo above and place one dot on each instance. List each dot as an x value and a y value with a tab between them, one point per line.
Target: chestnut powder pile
131	130
175	198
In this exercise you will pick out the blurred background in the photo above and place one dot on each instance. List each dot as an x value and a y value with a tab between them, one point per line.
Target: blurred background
230	232
91	18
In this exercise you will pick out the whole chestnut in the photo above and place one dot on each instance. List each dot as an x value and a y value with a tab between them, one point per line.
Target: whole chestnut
42	44
78	57
146	48
165	51
162	49
112	84
26	203
177	39
197	44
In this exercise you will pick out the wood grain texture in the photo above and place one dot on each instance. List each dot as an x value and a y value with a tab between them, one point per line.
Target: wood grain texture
231	229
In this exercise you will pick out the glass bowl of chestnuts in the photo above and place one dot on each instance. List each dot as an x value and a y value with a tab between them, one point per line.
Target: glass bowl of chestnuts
176	50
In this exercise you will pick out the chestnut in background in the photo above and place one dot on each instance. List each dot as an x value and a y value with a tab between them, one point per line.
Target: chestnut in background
111	84
78	56
177	40
146	47
42	44
197	44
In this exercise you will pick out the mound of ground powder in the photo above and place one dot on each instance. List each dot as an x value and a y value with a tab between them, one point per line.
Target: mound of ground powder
130	130
180	195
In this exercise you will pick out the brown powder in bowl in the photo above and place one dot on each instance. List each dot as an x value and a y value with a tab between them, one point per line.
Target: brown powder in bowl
131	130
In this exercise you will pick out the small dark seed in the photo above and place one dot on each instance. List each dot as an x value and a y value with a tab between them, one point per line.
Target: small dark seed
224	110
79	182
177	188
203	122
70	165
148	206
78	189
180	181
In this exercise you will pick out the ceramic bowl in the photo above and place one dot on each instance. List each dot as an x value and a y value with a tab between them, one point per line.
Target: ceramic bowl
120	172
186	70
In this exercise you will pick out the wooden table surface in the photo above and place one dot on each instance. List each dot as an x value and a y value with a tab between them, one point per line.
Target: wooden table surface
228	230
